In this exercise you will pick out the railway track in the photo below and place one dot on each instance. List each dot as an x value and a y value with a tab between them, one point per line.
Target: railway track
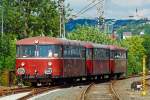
84	92
103	91
5	92
85	95
116	96
37	91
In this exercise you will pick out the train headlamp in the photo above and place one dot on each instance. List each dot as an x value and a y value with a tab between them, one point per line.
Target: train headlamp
36	41
49	63
35	71
22	64
48	71
21	71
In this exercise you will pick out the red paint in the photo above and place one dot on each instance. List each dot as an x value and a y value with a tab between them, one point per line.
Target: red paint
112	65
89	66
100	67
40	65
74	68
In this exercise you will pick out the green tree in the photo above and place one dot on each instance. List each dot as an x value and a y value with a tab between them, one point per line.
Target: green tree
146	45
7	52
136	52
26	18
93	34
135	28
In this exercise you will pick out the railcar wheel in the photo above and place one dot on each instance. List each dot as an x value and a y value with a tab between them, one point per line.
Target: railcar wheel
118	75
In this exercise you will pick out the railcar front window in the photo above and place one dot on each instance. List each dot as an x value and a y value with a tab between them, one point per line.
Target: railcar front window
49	51
26	51
38	51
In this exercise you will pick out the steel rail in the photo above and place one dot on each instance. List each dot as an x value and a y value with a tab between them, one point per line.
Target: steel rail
37	91
84	91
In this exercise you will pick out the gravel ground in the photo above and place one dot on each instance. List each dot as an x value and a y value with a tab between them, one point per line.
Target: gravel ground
14	97
61	94
123	88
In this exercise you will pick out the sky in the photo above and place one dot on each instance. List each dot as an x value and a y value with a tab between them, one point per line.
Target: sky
115	9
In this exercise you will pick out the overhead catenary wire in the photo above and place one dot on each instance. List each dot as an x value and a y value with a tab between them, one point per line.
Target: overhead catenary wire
87	8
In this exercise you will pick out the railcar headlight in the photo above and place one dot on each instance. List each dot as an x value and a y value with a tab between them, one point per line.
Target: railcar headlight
49	63
22	64
48	71
35	71
21	71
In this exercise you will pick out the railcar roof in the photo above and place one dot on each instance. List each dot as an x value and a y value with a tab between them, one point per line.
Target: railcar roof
47	40
87	44
100	46
114	47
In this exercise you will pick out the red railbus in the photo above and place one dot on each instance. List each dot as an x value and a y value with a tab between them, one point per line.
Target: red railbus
47	59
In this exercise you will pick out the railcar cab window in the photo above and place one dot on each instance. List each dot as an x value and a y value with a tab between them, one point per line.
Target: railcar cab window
26	51
38	51
49	51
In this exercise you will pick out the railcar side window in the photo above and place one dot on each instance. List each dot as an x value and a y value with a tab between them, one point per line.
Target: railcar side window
123	54
101	53
73	51
120	55
107	53
88	54
112	54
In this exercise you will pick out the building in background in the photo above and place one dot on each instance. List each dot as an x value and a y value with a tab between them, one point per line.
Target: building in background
127	35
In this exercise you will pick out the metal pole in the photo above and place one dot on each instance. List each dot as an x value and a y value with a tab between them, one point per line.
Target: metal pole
60	25
64	29
60	2
64	32
62	18
2	30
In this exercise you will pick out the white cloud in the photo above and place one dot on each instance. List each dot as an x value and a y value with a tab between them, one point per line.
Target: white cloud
77	5
127	3
113	8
